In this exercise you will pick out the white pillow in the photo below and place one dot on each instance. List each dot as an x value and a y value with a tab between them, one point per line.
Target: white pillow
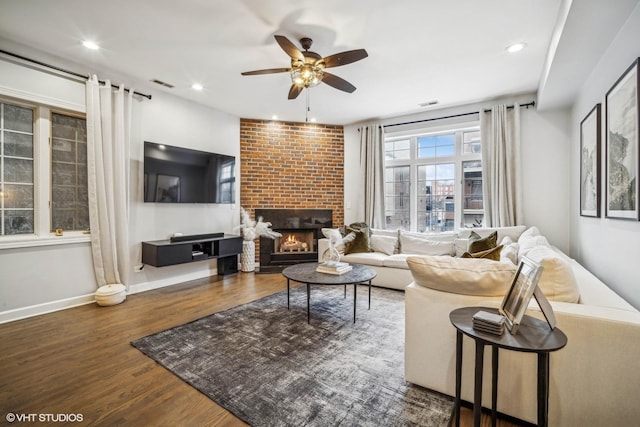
417	245
462	245
467	276
380	232
530	239
386	244
445	236
557	280
509	250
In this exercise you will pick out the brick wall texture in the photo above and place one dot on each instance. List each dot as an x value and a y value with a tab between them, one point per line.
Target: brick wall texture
291	165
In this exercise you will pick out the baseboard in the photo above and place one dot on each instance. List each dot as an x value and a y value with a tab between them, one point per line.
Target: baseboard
44	308
52	306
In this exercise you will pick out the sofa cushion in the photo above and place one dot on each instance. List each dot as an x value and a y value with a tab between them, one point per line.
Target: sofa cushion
381	232
366	258
467	276
492	254
557	280
386	244
411	244
478	243
361	243
397	261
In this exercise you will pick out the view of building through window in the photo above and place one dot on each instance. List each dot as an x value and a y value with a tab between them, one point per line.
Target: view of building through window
433	181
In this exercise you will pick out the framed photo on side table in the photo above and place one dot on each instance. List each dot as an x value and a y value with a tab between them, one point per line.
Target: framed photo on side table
622	147
590	132
516	301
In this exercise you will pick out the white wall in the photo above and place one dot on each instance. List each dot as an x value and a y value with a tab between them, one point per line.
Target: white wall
545	163
38	279
609	248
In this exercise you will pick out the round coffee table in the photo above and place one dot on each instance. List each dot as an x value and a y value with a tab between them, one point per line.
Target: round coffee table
306	273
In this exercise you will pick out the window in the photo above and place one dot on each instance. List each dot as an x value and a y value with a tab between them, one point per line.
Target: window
43	170
16	167
433	179
69	198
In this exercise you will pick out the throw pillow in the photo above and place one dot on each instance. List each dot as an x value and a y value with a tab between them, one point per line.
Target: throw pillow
478	243
385	244
509	250
361	243
557	281
466	276
492	254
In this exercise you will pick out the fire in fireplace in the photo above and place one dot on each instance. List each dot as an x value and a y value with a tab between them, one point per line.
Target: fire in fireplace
300	229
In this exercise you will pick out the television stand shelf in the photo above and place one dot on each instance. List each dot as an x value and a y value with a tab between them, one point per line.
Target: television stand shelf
223	247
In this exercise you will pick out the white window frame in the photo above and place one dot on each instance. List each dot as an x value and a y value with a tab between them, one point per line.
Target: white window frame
42	235
413	162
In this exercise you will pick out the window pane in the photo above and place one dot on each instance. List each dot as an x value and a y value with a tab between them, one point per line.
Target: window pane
436	197
472	197
471	142
16	170
69	201
436	146
397	150
397	201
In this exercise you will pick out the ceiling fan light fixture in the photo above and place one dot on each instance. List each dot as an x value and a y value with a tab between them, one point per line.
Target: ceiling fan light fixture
306	76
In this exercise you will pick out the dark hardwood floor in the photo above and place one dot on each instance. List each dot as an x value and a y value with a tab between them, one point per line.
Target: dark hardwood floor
79	361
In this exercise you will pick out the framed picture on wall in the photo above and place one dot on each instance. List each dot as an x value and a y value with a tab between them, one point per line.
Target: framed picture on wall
622	153
590	131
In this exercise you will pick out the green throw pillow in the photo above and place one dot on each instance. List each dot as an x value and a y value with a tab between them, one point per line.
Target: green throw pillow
479	244
493	254
361	243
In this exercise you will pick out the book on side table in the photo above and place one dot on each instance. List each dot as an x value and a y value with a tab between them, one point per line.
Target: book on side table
334	267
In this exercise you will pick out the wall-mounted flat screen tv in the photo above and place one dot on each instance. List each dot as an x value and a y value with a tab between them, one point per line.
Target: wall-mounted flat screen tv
181	175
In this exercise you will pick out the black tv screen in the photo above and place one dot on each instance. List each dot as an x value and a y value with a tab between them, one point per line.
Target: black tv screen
181	175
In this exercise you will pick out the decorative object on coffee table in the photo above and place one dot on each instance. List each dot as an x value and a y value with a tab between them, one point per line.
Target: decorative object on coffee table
251	230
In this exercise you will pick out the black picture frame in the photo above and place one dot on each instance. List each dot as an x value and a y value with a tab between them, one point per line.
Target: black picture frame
516	301
590	169
622	151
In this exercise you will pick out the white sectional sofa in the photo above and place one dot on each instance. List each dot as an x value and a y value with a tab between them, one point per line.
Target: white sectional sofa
594	380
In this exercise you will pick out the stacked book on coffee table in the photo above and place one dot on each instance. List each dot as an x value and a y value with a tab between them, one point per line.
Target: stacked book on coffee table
334	267
491	323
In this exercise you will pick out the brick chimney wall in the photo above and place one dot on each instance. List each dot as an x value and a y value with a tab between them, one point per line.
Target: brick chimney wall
291	165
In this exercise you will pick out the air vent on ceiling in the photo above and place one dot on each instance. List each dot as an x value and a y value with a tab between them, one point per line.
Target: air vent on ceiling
160	82
428	103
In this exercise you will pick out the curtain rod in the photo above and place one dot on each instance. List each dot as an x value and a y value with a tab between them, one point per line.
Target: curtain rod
527	105
82	76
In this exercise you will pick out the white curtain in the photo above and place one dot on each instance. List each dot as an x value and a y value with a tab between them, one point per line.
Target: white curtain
501	172
108	136
372	163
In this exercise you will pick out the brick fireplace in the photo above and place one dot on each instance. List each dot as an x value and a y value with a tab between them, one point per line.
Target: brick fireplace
300	229
286	165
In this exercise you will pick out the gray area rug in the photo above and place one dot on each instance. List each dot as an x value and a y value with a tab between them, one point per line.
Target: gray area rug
268	367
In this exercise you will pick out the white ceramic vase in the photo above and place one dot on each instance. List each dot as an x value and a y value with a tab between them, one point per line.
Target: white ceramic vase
248	257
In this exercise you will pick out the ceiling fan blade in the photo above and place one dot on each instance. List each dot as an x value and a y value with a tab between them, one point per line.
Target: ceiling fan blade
289	48
267	71
344	58
337	82
295	91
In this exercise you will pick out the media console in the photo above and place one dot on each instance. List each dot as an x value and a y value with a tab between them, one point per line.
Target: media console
179	250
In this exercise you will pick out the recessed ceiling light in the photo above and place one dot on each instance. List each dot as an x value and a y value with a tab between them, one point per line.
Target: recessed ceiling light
516	47
274	117
196	86
312	119
90	45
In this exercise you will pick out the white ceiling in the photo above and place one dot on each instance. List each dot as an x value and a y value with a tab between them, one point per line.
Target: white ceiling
419	50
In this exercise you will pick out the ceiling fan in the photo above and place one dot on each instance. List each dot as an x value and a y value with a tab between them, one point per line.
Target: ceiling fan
308	68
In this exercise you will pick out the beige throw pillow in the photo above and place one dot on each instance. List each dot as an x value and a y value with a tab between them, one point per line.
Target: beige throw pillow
467	276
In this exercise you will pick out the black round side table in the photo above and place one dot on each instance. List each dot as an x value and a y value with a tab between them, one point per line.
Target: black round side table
534	336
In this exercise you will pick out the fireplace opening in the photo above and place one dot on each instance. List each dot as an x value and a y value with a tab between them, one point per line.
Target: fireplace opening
294	241
300	229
